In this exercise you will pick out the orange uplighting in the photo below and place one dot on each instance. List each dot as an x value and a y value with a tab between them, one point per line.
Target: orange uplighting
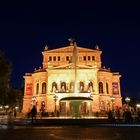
72	71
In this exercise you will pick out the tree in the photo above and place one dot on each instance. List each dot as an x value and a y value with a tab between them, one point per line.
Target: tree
15	96
5	72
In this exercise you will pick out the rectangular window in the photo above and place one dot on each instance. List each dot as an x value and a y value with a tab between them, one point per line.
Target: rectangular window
80	58
84	58
63	59
54	58
93	58
58	58
67	58
50	58
71	58
88	58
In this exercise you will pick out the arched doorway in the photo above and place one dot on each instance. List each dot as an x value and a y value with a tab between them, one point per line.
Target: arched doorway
43	106
63	108
102	106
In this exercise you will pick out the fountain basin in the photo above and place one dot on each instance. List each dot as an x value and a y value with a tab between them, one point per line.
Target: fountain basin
75	102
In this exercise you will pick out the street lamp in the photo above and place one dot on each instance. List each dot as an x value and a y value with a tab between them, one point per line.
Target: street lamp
138	106
34	100
1	107
127	99
6	108
16	107
112	99
55	97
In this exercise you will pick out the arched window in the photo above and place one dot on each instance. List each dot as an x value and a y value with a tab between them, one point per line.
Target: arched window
71	86
54	87
81	87
100	87
37	88
43	88
107	89
63	87
90	86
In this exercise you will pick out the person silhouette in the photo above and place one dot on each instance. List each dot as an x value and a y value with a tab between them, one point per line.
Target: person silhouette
33	113
15	113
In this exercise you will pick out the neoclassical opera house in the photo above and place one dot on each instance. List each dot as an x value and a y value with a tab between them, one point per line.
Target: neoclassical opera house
72	73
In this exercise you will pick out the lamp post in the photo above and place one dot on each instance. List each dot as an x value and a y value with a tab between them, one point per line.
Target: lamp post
112	100
34	100
55	97
127	99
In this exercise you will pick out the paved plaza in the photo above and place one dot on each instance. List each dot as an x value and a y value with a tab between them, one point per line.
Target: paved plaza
69	133
60	129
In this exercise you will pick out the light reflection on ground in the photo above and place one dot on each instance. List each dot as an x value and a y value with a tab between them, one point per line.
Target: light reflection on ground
69	133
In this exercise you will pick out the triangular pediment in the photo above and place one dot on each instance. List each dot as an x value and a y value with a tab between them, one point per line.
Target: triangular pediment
63	49
72	66
70	49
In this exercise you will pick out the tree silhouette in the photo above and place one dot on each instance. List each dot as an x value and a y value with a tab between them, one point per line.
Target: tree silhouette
5	72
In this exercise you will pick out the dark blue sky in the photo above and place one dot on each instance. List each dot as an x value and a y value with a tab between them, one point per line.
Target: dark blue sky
27	26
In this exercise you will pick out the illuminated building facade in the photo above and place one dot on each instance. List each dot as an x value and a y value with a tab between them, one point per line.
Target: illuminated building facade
46	87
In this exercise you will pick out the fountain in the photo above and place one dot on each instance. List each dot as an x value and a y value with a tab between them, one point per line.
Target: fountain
75	100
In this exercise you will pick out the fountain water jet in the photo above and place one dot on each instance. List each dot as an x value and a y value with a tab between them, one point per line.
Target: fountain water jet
75	100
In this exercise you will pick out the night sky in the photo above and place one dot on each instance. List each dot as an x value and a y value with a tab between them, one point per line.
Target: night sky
27	26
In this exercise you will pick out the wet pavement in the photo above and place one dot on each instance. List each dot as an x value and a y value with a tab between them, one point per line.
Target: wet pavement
69	132
22	129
